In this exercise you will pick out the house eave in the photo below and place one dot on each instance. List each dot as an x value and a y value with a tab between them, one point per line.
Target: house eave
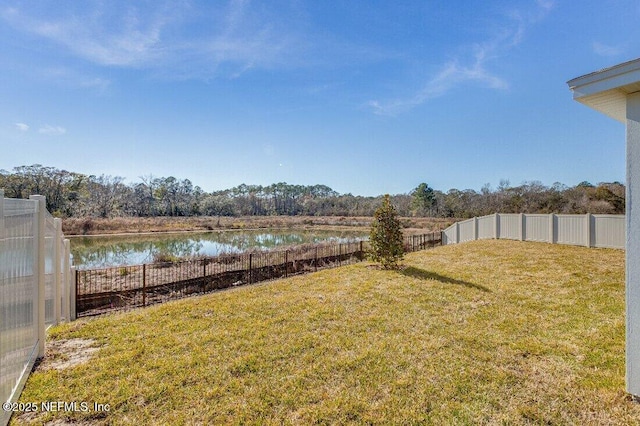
606	90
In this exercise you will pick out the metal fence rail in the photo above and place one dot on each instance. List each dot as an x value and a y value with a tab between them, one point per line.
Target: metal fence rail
34	279
590	230
105	290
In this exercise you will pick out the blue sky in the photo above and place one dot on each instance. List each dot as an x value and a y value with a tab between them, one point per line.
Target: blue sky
367	97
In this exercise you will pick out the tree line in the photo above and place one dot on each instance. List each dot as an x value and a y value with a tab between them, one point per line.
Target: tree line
71	194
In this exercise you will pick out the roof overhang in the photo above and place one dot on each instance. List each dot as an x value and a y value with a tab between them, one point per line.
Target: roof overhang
606	90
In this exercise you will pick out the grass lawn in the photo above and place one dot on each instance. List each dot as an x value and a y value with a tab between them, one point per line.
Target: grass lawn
488	332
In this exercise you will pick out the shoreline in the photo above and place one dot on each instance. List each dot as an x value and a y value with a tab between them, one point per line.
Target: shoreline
102	227
207	231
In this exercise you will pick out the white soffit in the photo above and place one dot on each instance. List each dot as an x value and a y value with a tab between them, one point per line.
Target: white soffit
606	90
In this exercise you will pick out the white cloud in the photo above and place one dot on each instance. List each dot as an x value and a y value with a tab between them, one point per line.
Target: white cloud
546	4
22	127
52	130
233	39
606	50
68	77
472	67
90	35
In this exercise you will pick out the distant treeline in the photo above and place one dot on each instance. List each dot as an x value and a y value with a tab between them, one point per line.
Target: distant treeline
72	194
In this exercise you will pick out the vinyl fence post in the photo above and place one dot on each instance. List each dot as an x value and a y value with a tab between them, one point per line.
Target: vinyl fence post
587	229
1	214
1	251
552	234
2	232
73	311
522	227
496	226
38	268
57	255
475	228
66	280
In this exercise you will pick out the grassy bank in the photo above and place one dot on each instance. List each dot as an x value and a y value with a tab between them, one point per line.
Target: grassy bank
121	225
489	332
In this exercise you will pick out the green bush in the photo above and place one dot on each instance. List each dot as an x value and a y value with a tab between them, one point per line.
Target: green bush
385	236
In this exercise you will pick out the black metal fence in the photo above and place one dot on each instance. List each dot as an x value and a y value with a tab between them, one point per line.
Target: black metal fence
105	290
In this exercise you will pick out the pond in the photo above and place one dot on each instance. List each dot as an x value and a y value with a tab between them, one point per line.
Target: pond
106	251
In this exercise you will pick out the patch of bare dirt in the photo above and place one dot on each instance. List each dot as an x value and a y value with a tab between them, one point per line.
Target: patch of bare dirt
60	355
63	354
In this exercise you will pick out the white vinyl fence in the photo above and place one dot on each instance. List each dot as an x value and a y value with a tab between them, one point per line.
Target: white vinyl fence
35	288
590	230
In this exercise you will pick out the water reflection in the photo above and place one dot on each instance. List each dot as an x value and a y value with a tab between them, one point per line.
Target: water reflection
100	252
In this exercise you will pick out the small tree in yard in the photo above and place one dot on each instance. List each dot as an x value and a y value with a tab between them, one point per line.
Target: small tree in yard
385	236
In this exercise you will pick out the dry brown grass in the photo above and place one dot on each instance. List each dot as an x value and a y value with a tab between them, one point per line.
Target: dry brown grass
97	226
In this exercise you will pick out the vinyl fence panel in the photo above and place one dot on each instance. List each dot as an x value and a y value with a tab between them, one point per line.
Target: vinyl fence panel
571	229
510	226
467	230
486	227
608	231
18	297
537	227
450	235
31	267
